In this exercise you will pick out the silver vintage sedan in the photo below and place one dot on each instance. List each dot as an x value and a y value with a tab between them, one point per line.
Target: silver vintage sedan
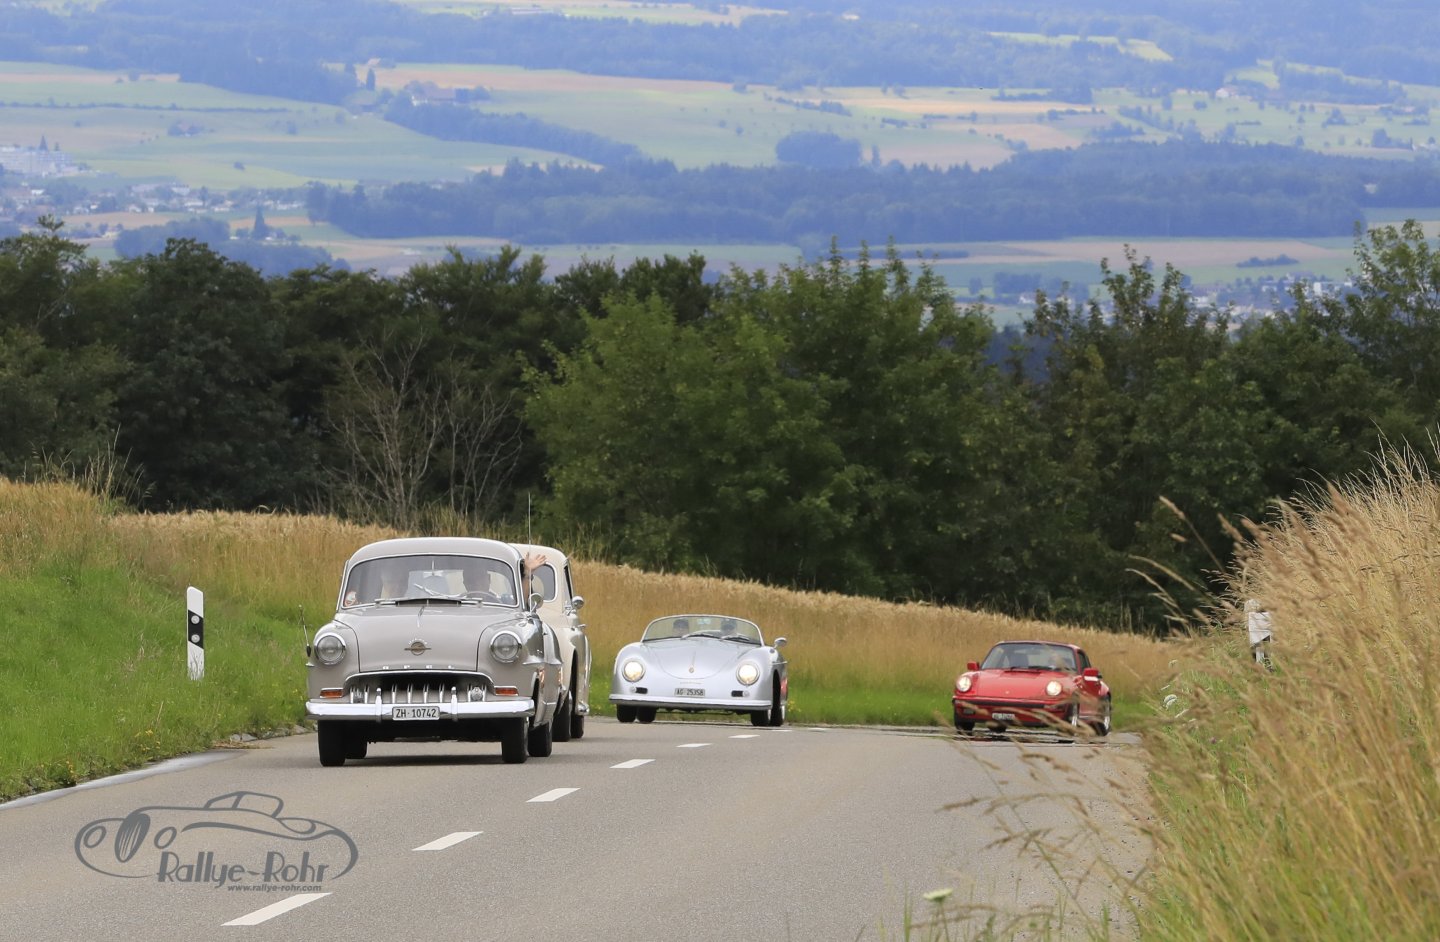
701	664
434	639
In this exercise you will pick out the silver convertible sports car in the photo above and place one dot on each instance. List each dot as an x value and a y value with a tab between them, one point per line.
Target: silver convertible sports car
701	664
434	638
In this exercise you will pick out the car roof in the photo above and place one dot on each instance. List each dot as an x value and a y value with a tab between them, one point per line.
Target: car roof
439	545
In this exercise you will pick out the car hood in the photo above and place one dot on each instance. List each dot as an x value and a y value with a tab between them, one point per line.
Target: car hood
697	658
1014	683
449	636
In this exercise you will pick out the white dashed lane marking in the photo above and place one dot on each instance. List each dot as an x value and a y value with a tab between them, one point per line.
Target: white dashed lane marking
692	745
554	794
449	840
276	909
631	763
745	736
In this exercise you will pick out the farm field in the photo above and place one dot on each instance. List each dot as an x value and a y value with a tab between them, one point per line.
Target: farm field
682	14
129	128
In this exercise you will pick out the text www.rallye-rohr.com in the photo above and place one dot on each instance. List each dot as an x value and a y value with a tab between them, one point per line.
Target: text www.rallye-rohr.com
272	888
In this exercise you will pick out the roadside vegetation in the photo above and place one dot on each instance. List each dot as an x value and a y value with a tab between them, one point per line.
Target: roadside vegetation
1302	802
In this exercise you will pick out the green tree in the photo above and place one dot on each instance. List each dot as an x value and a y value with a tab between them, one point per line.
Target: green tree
1144	406
55	375
201	407
687	445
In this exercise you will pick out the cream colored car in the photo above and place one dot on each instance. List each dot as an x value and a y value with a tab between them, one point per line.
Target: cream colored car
560	609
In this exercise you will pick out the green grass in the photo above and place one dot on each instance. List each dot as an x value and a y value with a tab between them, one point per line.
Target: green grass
98	658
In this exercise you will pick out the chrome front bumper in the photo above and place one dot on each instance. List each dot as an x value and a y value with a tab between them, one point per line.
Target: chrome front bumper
460	710
690	703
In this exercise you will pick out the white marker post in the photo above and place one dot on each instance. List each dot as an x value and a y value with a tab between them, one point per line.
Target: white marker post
195	632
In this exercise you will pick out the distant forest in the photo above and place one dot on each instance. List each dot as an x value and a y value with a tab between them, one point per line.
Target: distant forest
282	47
1127	189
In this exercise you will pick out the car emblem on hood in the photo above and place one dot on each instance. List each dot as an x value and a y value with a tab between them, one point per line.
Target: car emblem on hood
417	647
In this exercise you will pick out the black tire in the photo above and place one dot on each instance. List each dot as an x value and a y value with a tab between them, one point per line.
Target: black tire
760	718
331	739
577	724
512	742
356	746
963	725
541	741
561	722
777	706
625	714
645	714
1102	725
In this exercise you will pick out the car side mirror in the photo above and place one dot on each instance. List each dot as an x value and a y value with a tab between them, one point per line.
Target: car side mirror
1090	673
535	599
577	603
780	642
972	666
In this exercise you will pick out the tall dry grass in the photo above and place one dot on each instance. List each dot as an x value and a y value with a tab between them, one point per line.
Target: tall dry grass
1304	802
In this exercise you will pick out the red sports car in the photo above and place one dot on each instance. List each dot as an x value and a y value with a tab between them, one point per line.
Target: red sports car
1035	684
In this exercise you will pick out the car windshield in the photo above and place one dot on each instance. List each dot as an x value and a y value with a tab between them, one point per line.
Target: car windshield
399	579
725	627
1030	656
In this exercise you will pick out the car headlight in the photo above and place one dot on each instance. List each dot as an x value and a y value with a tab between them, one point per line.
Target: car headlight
963	684
330	649
505	647
1053	689
632	670
747	673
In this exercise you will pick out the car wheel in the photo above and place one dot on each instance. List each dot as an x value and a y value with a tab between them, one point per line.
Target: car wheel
777	708
760	718
512	741
540	742
577	724
1072	724
356	746
1102	725
331	740
561	722
645	714
625	714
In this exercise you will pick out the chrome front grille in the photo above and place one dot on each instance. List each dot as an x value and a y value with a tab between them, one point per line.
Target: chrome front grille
417	687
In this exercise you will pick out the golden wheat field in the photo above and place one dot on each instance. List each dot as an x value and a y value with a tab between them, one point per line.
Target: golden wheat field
293	563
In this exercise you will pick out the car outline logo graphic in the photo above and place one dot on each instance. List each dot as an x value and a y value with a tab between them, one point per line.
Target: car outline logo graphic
135	846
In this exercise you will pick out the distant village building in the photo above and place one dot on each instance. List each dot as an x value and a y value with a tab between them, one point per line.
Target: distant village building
35	162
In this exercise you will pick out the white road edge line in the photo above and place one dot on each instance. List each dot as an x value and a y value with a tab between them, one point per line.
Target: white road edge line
449	840
554	794
275	909
631	763
692	745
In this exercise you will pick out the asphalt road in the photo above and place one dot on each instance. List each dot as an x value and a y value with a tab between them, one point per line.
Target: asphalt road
669	831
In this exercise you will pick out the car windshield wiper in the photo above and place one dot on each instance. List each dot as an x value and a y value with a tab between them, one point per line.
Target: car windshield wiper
450	599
